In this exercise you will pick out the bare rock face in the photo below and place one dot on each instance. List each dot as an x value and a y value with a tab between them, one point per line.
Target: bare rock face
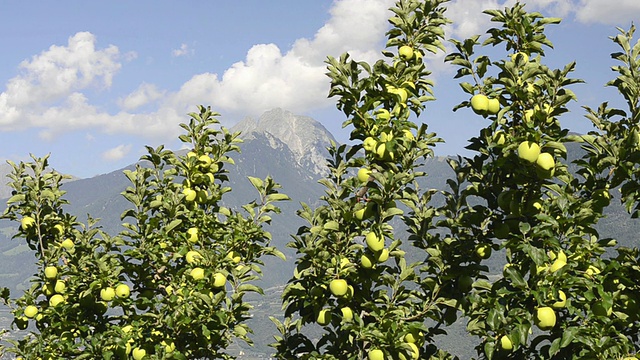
305	137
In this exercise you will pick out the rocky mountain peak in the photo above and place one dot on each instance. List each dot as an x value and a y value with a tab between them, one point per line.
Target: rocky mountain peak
305	137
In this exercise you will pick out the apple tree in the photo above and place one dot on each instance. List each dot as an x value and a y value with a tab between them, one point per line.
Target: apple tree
171	284
558	297
355	288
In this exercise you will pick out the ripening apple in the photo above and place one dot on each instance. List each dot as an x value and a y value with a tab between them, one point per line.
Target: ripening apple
369	144
375	354
414	336
347	314
338	287
189	194
324	317
366	261
545	318
528	151
193	257
138	353
123	291
219	280
493	106
197	273
499	137
405	52
234	256
67	244
27	222
192	235
60	286
480	103
374	242
107	294
382	255
30	311
363	175
505	343
56	300
545	161
59	228
562	302
415	352
51	272
383	114
484	251
520	55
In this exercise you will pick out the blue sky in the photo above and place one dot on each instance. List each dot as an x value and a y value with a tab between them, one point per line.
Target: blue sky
93	82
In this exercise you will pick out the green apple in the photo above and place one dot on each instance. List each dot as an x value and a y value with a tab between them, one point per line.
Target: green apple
59	228
27	222
499	137
205	161
30	311
192	235
60	287
483	251
415	352
375	354
234	256
219	280
501	231
67	244
561	302
374	242
599	309
197	273
465	282
528	115
366	261
382	255
107	294
56	300
21	322
383	114
601	198
189	194
545	161
363	175
408	134
528	151
347	314
48	289
51	272
414	336
545	318
138	353
338	287
360	213
405	52
493	106
369	144
505	343
123	291
520	55
480	103
169	347
324	317
193	257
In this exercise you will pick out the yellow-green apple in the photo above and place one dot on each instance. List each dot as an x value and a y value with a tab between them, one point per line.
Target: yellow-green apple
528	151
493	106
484	251
123	291
520	55
405	52
193	257
197	273
561	302
374	242
138	353
338	287
59	228
375	354
189	194
382	114
366	261
545	318
414	336
499	137
601	198
219	280
30	311
27	222
382	255
369	144
347	313
545	161
324	317
505	343
480	103
56	300
107	294
51	272
67	244
60	286
363	175
192	235
234	256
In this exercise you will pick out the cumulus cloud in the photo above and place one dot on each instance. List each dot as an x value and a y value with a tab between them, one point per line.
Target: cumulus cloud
607	12
143	95
182	51
116	153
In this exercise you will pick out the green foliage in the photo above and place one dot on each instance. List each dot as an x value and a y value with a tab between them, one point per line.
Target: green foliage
160	287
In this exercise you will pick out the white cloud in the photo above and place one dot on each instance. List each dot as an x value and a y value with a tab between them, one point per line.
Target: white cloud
182	51
116	153
620	12
143	95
